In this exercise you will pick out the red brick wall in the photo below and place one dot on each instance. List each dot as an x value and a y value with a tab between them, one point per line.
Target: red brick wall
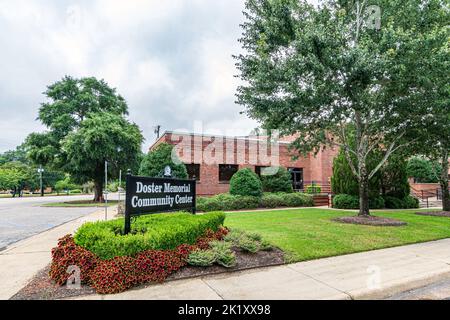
200	150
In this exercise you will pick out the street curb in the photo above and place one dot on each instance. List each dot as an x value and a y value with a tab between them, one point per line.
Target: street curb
394	289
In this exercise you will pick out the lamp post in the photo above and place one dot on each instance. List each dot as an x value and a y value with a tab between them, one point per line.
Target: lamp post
40	170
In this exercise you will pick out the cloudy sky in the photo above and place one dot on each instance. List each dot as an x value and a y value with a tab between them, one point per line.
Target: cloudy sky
171	60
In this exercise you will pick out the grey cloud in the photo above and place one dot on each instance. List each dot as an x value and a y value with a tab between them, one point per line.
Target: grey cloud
171	60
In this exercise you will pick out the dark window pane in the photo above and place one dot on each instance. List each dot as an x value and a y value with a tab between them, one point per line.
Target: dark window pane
226	171
193	170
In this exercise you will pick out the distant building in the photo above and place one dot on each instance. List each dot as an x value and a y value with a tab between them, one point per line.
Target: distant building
213	159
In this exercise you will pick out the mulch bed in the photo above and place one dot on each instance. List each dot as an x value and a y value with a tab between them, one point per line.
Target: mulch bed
371	221
41	287
435	214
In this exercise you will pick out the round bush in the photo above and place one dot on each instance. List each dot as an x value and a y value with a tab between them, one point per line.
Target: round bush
245	183
278	182
411	202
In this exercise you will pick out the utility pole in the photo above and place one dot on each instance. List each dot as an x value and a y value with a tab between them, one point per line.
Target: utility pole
157	130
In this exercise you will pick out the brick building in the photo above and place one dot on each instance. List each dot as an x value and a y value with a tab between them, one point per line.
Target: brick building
213	159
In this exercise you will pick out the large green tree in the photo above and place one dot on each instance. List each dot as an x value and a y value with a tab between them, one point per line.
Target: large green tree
86	126
313	70
100	138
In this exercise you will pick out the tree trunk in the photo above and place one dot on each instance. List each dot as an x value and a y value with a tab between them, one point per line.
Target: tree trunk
98	188
363	192
444	182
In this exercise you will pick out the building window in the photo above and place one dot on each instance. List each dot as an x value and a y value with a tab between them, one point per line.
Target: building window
193	170
260	170
297	178
226	171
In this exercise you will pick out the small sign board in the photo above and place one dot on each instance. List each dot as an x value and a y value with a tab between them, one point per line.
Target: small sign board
146	195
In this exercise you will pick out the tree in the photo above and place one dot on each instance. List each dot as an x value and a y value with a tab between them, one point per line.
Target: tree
156	160
73	109
311	71
394	181
19	155
343	180
101	137
435	104
423	170
278	182
17	176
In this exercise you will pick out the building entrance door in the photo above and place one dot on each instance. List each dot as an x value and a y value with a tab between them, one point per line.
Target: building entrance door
297	178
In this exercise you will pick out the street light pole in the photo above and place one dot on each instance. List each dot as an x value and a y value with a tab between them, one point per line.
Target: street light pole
106	190
40	170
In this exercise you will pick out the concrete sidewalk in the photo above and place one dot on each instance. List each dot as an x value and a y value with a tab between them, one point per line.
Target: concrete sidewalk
366	275
20	261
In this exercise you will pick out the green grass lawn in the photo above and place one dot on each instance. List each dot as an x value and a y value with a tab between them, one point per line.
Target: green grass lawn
79	203
306	234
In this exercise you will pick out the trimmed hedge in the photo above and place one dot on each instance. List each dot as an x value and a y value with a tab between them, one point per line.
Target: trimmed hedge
245	183
408	202
227	201
346	201
152	232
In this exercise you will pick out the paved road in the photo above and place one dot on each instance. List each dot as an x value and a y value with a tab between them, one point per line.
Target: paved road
21	218
439	290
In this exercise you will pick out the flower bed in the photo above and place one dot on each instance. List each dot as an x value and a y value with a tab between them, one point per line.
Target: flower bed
123	272
158	246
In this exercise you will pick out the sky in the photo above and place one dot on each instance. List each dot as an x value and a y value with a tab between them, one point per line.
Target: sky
171	61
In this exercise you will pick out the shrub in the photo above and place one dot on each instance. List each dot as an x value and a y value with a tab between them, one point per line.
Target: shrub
345	201
313	189
121	273
393	202
278	182
297	199
76	191
247	244
376	202
152	232
272	200
407	202
234	235
245	183
202	258
411	202
395	178
227	202
266	245
224	255
223	202
155	161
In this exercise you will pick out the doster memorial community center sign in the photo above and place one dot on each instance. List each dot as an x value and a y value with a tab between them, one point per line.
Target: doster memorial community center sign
145	195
